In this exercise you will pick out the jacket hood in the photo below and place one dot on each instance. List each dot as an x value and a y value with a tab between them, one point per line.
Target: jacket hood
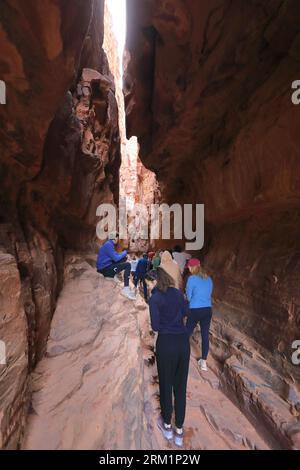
166	257
172	268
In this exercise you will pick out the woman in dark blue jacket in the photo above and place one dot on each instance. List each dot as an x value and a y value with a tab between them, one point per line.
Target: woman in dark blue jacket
140	274
167	311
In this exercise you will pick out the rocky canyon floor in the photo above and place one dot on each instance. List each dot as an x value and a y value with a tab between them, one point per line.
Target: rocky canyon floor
96	387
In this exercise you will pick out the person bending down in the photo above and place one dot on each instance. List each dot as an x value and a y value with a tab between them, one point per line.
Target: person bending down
167	310
110	263
140	273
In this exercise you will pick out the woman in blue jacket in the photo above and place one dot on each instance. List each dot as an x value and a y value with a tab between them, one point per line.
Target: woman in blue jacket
198	290
167	311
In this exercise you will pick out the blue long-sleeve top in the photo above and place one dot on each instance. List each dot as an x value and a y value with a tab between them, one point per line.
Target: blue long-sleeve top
167	310
198	291
107	255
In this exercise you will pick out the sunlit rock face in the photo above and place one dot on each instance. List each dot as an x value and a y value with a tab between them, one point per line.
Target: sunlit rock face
59	159
208	93
82	157
138	187
137	184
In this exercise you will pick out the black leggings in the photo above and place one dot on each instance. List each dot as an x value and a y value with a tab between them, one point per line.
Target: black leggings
140	278
202	316
116	268
173	357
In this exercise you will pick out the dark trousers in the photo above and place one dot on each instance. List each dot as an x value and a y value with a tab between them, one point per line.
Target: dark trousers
202	316
116	268
141	278
173	357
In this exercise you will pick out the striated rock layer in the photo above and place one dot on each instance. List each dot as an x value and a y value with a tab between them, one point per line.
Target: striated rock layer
59	158
208	93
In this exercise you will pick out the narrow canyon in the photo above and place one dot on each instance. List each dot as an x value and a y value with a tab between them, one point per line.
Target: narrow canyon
202	115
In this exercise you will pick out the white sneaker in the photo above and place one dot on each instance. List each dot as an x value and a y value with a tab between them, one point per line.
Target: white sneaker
166	430
178	437
128	293
202	364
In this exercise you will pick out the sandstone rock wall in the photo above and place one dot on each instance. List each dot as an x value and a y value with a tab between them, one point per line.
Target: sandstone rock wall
208	93
13	392
59	158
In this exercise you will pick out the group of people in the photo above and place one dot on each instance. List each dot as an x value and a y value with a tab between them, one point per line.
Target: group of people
175	310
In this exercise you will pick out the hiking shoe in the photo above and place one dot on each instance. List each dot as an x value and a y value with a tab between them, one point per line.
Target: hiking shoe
128	293
166	430
178	437
202	364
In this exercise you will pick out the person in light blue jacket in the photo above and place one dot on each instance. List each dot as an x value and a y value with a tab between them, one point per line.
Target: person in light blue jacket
199	290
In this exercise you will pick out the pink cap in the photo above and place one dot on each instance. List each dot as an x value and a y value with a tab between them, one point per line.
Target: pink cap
193	262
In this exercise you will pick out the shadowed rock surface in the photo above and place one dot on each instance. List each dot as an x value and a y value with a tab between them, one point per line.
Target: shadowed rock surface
59	159
208	93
